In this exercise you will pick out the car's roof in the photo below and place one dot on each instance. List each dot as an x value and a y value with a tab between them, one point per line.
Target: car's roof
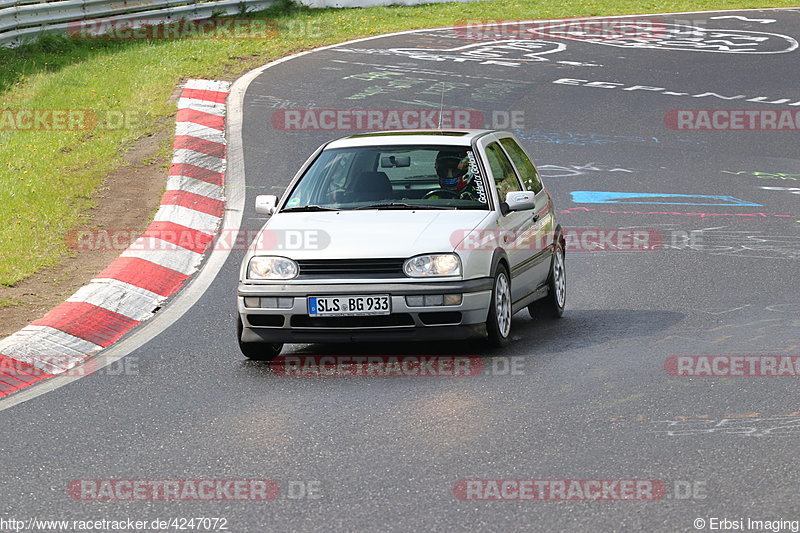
451	137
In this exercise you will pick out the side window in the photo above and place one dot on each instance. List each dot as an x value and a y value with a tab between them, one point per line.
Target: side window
528	173
505	179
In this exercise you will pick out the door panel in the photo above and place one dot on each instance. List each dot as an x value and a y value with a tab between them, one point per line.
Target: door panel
516	230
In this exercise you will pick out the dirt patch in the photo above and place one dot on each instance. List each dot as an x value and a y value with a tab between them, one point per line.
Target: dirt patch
127	200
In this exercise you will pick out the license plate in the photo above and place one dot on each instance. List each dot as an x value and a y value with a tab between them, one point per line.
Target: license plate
349	305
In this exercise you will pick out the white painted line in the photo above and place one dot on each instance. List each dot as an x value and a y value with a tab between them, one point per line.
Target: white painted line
195	186
119	297
164	253
190	218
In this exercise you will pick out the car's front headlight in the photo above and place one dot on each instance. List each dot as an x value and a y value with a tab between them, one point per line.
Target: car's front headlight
270	267
423	266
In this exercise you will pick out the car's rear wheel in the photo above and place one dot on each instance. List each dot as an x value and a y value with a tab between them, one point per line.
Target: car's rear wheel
498	323
552	305
257	351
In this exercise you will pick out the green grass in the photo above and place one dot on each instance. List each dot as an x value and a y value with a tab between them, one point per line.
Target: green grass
7	302
48	179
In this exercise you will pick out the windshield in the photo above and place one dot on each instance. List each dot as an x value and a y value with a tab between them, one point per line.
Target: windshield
391	177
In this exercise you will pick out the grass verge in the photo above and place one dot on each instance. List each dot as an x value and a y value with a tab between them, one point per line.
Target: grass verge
48	178
8	302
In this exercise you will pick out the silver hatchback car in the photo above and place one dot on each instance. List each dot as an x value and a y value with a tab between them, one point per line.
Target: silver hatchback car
417	235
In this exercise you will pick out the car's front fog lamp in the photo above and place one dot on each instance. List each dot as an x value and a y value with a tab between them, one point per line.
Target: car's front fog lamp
270	267
433	300
252	301
452	299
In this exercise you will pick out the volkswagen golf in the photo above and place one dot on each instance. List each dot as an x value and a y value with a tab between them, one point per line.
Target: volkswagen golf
419	235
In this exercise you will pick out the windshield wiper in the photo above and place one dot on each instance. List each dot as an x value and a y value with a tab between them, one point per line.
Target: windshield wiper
308	208
399	205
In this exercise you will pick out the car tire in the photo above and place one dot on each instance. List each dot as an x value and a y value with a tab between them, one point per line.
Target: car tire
552	305
498	323
256	351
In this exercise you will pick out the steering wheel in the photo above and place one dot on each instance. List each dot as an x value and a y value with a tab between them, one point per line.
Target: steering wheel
441	193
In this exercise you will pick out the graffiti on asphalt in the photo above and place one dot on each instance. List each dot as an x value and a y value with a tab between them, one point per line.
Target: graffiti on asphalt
408	69
496	92
793	308
679	418
748	427
568	171
661	90
741	243
745	19
509	53
275	102
743	336
388	82
678	37
587	139
385	82
613	197
790	190
582	209
766	175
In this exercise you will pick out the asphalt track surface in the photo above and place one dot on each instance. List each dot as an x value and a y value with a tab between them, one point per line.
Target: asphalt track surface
593	400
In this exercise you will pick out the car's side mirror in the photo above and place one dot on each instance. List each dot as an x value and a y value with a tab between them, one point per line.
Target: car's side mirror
265	204
518	201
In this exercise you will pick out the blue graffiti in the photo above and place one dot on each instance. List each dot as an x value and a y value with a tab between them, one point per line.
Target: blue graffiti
609	197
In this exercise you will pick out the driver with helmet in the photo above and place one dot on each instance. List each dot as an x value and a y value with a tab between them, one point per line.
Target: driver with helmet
455	178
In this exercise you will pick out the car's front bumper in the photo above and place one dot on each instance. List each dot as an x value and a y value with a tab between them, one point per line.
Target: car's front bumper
292	324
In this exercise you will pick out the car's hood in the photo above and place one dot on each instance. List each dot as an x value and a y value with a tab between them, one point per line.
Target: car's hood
365	234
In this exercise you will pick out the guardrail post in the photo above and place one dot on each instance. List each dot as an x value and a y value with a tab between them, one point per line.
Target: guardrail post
15	41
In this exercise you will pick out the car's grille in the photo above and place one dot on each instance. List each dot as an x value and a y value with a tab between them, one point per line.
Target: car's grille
381	321
350	268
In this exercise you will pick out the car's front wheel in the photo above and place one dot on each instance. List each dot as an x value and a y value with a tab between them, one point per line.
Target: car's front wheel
552	305
257	351
498	323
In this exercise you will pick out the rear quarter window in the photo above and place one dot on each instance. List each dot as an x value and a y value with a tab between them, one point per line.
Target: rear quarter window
527	172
